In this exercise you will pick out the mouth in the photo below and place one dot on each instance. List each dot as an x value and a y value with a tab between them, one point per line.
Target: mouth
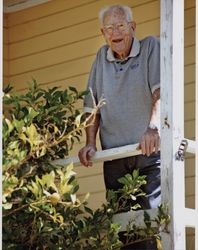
117	40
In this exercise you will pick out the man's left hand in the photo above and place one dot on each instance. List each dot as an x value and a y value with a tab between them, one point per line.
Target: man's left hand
150	141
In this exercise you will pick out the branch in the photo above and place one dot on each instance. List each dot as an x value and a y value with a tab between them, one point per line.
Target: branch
88	122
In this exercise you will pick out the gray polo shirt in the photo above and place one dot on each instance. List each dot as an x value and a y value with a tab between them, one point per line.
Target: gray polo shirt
127	87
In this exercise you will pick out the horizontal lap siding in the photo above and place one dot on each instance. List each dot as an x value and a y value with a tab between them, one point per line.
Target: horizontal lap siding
38	62
5	50
60	55
60	6
189	112
56	43
189	107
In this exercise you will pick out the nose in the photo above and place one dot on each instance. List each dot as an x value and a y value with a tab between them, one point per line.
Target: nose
116	31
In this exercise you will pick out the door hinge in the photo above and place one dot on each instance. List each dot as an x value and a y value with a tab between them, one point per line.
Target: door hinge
180	154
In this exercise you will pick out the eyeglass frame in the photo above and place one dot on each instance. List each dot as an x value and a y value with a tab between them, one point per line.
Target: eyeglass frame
115	26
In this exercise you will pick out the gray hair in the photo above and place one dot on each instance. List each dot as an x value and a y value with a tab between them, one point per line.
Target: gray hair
115	8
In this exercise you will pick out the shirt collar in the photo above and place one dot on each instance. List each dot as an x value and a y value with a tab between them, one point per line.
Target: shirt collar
134	51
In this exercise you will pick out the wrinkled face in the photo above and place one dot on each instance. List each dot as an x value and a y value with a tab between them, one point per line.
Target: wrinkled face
118	33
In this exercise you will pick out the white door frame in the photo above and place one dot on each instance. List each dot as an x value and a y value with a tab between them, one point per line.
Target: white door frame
172	126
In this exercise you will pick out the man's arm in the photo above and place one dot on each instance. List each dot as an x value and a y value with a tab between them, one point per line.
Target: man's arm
150	140
89	149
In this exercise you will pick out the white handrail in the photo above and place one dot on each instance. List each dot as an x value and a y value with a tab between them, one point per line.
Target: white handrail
104	155
114	153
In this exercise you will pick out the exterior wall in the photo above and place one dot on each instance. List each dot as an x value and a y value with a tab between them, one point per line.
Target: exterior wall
5	50
189	99
56	43
189	112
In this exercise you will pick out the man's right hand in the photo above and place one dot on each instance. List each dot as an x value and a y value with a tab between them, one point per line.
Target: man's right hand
86	153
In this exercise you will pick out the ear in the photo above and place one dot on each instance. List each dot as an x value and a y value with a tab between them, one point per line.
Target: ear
102	31
133	25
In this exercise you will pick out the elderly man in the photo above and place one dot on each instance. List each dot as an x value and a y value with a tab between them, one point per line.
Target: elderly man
126	72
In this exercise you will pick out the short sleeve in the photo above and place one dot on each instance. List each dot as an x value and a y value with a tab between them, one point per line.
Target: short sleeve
154	64
88	101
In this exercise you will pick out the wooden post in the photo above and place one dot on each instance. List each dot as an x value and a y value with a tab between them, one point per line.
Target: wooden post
172	118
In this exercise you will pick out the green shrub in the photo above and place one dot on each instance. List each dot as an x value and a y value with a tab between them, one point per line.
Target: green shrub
41	209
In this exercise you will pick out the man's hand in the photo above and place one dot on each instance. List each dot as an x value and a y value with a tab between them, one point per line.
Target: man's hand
86	153
150	141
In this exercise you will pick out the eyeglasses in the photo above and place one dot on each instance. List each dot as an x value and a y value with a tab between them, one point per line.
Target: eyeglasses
118	26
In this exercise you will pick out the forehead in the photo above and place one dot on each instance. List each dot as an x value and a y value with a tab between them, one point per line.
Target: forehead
114	17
